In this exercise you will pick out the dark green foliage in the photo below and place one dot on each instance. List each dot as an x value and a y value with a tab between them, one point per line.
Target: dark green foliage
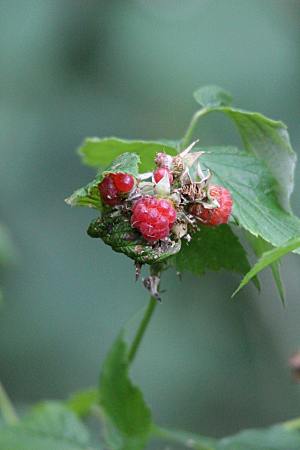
117	232
97	152
212	249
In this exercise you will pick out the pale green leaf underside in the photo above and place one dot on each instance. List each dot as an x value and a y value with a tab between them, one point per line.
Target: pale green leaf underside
97	152
123	402
89	195
124	163
274	438
86	196
269	258
49	427
187	439
255	205
212	249
212	96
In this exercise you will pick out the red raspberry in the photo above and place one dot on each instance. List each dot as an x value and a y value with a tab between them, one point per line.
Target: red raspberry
160	173
113	185
124	182
108	191
153	217
214	216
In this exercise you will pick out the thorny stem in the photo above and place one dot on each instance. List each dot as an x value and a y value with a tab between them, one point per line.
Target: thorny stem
190	129
141	330
7	408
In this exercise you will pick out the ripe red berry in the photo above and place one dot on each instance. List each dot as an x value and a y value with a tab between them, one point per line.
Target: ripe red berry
160	173
124	182
113	185
153	217
214	216
108	191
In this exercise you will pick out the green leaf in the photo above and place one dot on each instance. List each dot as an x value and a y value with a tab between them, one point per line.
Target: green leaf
255	206
189	440
269	258
50	426
266	138
212	249
260	246
97	152
89	195
125	163
269	140
86	196
212	96
82	402
276	272
123	403
117	232
274	438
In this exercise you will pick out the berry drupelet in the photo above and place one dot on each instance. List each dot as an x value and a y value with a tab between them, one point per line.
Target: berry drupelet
124	182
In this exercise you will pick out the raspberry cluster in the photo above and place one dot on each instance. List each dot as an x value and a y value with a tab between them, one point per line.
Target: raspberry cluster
113	186
166	211
153	217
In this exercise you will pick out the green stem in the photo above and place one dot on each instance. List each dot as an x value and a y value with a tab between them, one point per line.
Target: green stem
142	328
190	129
7	408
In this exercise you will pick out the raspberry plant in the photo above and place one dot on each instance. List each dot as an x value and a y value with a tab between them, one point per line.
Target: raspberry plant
174	204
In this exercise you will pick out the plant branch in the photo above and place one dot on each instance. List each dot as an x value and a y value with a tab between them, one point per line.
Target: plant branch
6	407
141	330
190	129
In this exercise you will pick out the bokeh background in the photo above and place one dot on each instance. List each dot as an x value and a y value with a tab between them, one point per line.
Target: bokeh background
75	68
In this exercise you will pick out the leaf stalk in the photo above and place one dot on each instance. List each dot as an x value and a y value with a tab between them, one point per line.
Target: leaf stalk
142	329
191	127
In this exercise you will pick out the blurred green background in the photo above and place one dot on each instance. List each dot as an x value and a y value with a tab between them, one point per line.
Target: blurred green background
71	69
